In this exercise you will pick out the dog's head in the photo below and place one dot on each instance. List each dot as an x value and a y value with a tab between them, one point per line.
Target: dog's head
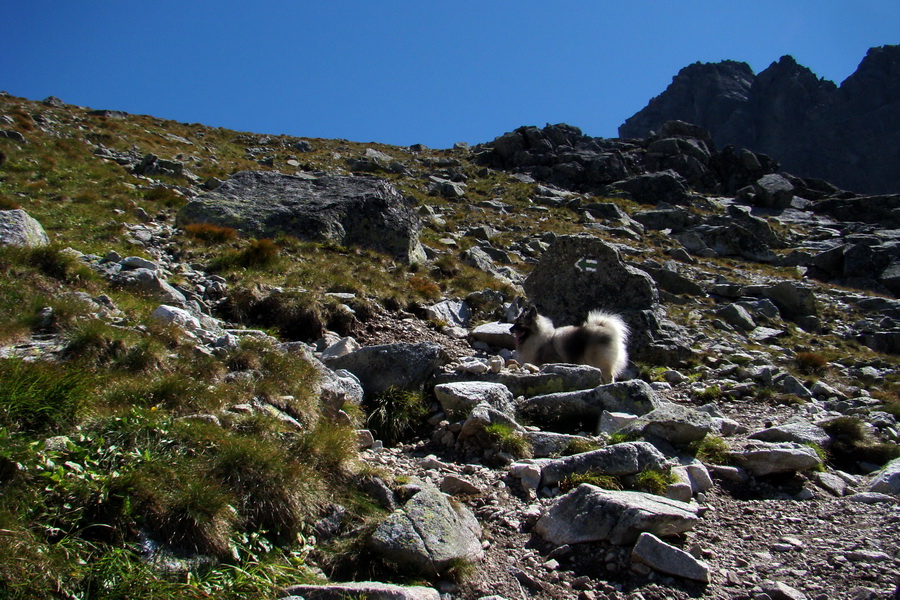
524	325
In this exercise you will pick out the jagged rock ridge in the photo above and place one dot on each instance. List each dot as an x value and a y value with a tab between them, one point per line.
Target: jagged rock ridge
846	134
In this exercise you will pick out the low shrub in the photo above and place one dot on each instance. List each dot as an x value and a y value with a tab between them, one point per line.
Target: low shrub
394	414
208	232
606	482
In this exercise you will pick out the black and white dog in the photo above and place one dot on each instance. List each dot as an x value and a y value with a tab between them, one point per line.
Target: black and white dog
599	342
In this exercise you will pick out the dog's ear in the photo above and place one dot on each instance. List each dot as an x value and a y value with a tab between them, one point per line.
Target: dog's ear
530	312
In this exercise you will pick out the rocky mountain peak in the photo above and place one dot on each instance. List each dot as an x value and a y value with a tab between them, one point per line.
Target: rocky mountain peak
846	134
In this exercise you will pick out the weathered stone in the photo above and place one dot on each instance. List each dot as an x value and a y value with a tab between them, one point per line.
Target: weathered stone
401	366
370	590
590	514
626	458
495	334
673	423
582	273
662	557
887	480
361	211
800	432
765	458
737	316
551	378
18	228
430	533
450	312
586	406
458	399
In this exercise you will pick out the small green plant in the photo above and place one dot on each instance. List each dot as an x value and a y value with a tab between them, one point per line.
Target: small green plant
460	569
620	437
508	440
579	446
395	413
606	482
711	449
710	394
654	481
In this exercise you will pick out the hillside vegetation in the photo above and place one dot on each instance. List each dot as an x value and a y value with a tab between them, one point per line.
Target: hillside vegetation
120	433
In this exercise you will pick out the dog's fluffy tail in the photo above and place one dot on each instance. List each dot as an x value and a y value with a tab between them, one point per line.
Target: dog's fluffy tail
612	325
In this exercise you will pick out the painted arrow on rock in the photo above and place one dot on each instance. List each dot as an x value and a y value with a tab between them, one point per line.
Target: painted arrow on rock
587	264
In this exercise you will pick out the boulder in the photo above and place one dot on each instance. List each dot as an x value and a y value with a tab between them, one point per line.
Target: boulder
665	558
429	534
580	273
592	514
18	228
655	188
585	407
495	334
371	590
887	480
402	366
799	432
351	211
773	191
766	458
551	378
458	399
627	458
673	423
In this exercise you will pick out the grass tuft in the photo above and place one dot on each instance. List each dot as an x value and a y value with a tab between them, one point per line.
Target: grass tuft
41	397
394	414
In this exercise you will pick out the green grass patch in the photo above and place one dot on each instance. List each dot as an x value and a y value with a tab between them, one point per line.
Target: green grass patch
395	414
508	440
42	397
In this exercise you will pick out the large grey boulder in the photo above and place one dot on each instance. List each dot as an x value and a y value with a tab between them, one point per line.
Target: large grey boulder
766	458
591	514
551	378
665	558
430	533
673	423
401	366
627	458
800	432
352	211
458	399
18	228
580	273
371	590
633	396
653	188
887	480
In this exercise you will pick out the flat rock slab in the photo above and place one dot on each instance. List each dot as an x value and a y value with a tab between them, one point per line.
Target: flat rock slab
799	432
401	366
665	558
551	378
370	590
429	533
591	514
626	458
351	211
887	481
634	397
674	423
766	458
458	399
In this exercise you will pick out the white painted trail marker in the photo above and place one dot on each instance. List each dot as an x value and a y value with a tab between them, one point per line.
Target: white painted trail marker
587	264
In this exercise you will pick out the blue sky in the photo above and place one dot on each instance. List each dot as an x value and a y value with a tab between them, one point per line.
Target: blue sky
407	72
